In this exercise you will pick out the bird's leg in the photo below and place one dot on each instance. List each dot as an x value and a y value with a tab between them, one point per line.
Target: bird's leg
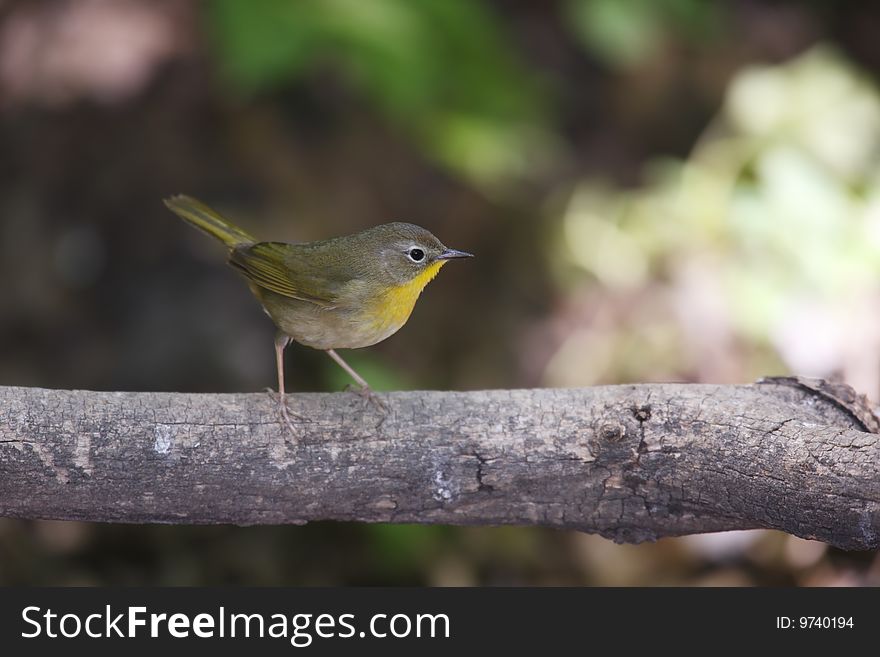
281	341
365	390
354	375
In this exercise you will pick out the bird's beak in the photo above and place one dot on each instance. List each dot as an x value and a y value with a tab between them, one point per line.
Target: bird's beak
449	254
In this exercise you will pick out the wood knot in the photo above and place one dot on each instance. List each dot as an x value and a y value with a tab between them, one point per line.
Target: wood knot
642	413
613	432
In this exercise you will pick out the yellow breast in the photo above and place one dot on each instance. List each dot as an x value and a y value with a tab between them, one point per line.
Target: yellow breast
395	305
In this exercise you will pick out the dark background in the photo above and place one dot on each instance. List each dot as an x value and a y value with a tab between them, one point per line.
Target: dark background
656	191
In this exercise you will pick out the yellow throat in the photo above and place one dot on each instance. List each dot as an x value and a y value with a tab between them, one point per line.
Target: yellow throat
396	304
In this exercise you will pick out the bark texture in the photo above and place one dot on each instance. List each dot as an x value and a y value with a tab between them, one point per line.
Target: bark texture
632	462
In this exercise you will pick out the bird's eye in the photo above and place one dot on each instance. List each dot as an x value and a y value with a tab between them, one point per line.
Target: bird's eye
416	255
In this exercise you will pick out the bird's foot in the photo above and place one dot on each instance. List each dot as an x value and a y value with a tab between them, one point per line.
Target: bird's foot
366	393
286	413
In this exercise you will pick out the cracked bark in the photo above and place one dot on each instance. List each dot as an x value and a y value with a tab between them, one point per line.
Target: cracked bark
632	463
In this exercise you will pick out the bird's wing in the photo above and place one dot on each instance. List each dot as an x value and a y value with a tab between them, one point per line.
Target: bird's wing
279	267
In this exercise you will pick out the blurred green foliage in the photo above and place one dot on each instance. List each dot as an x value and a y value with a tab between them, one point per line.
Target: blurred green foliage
768	233
442	69
625	33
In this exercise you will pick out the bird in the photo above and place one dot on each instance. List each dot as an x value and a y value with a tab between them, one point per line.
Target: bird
345	292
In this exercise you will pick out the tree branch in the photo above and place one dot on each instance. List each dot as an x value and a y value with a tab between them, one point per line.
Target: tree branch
632	463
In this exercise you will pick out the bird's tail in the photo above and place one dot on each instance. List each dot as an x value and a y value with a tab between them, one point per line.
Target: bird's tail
204	218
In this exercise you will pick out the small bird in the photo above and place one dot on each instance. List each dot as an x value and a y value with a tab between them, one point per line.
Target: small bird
341	293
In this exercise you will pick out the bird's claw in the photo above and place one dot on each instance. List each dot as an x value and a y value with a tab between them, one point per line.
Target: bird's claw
366	393
285	412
